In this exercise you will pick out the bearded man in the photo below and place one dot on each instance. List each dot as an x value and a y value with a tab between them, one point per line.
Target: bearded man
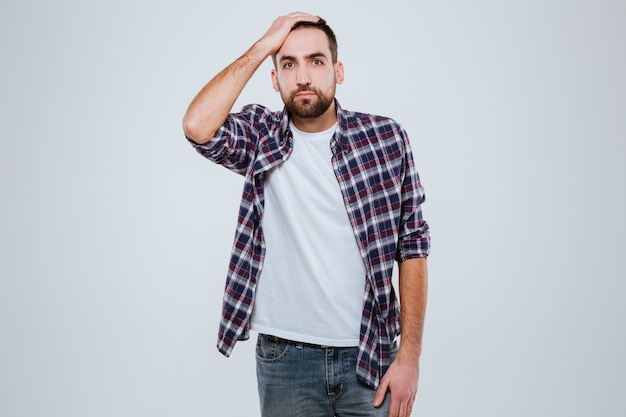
331	201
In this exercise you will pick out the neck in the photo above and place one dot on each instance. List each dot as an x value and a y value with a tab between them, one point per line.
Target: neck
317	124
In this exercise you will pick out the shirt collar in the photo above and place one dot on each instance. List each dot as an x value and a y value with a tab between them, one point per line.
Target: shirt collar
342	137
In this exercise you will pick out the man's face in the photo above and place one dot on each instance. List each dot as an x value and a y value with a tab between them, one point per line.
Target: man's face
305	74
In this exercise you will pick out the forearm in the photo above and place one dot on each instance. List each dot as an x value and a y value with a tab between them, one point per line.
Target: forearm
211	106
403	374
413	280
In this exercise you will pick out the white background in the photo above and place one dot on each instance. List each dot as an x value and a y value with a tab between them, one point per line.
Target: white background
115	235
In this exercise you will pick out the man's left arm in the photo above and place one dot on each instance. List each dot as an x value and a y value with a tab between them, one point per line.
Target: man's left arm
403	374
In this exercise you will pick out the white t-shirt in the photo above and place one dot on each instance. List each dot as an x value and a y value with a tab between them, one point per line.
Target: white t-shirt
312	283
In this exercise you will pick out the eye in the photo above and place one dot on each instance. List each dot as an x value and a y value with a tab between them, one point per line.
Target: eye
288	65
317	61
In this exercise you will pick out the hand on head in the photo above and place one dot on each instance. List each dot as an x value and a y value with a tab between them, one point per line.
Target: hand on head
281	27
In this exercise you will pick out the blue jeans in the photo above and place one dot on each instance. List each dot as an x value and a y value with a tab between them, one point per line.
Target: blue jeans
301	380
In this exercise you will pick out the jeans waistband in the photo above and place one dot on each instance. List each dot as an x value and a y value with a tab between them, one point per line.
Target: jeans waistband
302	344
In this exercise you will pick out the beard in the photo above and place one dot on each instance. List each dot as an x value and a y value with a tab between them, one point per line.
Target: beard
309	108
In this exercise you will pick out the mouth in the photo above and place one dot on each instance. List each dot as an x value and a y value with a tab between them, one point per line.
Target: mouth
306	94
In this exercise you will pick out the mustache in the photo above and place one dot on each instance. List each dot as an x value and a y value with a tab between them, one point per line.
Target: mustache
304	88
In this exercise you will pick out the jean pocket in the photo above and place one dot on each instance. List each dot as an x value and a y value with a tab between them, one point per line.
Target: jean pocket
271	348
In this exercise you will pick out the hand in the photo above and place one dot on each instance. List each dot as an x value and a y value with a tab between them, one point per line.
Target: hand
401	379
280	29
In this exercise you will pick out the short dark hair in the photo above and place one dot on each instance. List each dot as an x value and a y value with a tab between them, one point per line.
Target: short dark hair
323	26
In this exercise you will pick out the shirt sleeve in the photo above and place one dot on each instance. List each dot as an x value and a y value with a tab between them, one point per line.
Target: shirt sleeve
235	142
414	233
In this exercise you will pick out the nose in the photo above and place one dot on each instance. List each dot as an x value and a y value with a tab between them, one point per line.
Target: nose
303	78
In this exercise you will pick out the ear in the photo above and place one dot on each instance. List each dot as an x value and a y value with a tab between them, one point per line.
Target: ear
275	79
339	72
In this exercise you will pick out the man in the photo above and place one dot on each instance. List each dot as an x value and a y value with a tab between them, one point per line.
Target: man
331	199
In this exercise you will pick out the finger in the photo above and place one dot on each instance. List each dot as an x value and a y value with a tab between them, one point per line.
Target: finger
381	392
394	407
409	406
402	411
300	16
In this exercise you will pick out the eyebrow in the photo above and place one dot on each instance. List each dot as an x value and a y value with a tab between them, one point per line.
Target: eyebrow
309	56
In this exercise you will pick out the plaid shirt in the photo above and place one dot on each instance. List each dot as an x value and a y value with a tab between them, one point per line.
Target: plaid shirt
382	193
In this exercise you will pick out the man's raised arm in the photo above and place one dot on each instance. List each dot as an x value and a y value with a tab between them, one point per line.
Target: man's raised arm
211	106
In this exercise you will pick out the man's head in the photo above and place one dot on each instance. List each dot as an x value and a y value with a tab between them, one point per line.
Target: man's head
323	26
306	70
